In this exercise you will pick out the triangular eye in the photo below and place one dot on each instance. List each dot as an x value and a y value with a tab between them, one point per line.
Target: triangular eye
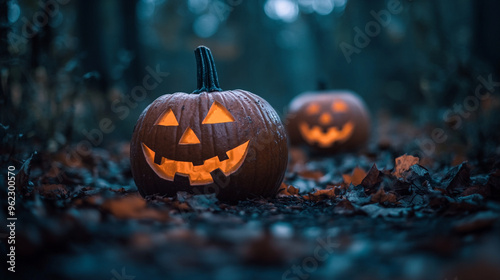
218	114
312	109
339	106
168	119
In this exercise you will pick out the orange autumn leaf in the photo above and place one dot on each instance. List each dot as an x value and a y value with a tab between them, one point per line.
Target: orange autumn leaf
287	190
403	164
346	178
293	190
356	178
282	188
321	194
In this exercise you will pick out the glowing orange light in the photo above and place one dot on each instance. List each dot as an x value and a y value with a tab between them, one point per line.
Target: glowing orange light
313	109
314	134
189	137
339	106
200	174
168	119
218	114
325	118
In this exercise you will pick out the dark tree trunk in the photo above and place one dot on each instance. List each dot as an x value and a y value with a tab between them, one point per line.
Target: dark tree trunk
90	30
4	30
486	40
131	41
41	45
4	60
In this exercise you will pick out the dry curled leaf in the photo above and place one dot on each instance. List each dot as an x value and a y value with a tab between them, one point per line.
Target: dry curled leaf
457	179
372	180
321	194
287	190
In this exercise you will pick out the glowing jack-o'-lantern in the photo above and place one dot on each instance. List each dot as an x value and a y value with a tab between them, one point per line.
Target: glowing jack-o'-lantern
197	174
229	142
330	121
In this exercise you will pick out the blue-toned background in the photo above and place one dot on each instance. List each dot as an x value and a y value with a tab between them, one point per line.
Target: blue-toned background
66	65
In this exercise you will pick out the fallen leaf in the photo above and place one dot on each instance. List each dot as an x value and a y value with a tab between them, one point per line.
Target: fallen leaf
321	194
357	195
287	190
419	178
382	197
372	180
347	179
293	190
403	164
457	179
181	206
355	178
282	188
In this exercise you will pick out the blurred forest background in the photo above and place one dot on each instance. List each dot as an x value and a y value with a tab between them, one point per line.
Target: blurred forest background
67	65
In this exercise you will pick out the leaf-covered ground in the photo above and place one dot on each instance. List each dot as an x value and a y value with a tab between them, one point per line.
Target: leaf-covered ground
378	214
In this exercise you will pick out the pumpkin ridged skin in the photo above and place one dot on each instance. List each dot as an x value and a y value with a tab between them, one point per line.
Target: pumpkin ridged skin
357	113
264	165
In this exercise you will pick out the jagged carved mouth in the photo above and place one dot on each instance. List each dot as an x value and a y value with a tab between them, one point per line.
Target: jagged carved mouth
315	134
197	174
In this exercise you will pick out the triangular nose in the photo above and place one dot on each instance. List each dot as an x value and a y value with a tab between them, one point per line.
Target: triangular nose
189	137
325	119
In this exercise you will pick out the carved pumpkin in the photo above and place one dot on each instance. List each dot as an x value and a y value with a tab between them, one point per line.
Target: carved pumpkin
229	142
328	121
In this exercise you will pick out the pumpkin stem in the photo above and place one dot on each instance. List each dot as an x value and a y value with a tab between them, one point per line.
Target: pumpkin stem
321	85
207	75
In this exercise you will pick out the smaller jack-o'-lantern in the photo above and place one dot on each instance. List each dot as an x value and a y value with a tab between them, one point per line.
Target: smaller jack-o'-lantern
329	121
229	142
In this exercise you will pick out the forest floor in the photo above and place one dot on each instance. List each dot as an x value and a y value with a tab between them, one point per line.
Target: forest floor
376	214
